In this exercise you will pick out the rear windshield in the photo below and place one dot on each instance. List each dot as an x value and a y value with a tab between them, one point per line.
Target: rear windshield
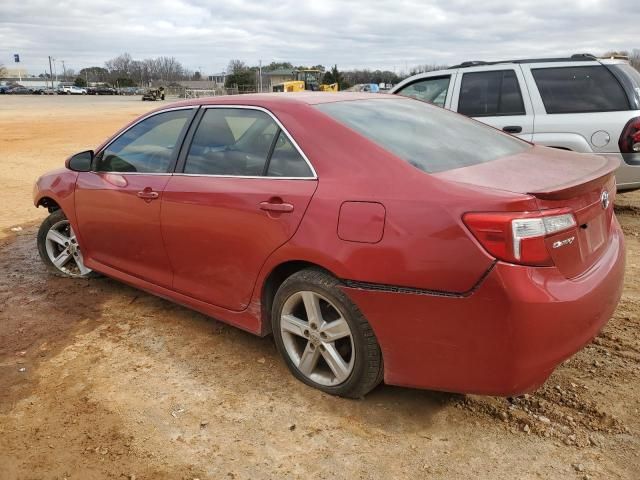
580	89
429	138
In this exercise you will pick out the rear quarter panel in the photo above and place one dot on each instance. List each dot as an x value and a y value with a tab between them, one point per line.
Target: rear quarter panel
424	243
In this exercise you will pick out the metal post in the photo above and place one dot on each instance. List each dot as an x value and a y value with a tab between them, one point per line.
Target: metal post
51	75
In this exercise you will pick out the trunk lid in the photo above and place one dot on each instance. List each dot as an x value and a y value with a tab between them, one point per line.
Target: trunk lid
558	179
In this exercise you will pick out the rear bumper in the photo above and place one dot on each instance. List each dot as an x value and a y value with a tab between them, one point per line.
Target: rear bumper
503	339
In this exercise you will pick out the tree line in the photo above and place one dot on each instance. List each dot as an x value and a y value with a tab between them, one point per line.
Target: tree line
240	74
125	71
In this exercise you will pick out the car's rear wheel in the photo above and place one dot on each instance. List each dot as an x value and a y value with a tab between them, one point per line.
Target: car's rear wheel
323	337
59	249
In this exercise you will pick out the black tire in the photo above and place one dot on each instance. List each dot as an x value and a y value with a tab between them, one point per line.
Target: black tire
368	368
54	218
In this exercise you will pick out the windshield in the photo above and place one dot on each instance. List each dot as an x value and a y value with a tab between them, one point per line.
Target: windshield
429	138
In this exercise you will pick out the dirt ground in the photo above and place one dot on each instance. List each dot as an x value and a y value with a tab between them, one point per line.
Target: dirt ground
99	380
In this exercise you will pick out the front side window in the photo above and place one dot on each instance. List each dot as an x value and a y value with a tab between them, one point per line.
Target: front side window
432	90
490	94
579	89
231	141
429	138
147	147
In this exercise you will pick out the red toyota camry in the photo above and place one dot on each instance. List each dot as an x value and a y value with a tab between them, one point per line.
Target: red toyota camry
376	237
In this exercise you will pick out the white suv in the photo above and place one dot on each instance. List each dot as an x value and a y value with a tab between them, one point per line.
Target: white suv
580	103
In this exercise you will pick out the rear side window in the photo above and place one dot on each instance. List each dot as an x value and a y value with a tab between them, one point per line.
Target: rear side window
432	90
629	77
243	143
286	160
490	94
231	141
429	138
579	89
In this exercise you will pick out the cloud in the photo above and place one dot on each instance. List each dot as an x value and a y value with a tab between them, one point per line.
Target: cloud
354	34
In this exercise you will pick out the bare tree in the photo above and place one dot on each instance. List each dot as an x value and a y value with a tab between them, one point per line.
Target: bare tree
3	70
236	66
163	69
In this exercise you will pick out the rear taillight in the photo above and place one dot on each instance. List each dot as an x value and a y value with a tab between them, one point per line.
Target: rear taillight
630	139
519	237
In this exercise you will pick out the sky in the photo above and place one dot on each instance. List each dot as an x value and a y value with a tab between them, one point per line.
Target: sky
394	35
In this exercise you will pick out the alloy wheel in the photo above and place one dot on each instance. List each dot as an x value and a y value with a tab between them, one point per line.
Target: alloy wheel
63	250
317	338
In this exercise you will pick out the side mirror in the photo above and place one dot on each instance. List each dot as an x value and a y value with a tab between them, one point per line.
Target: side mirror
80	162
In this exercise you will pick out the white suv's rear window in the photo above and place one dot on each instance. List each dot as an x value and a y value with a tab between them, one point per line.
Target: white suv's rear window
429	138
580	89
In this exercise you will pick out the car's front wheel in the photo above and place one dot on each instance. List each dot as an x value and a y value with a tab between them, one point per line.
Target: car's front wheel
323	337
59	249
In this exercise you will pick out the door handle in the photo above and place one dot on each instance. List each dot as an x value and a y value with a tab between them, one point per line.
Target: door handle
512	129
148	194
276	207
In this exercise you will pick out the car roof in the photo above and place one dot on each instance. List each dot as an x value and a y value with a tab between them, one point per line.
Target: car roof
271	99
578	57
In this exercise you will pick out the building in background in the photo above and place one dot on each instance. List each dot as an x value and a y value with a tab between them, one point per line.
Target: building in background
278	76
218	79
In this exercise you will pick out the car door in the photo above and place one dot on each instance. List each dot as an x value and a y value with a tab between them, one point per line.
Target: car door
496	95
118	203
240	190
437	88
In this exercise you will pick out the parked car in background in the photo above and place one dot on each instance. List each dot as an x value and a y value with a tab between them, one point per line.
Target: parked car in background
418	246
364	87
43	91
18	90
73	90
581	103
102	90
128	90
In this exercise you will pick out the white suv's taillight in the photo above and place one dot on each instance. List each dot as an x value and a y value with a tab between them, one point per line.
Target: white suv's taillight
630	138
519	237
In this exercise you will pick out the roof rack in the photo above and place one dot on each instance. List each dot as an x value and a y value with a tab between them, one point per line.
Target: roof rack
577	57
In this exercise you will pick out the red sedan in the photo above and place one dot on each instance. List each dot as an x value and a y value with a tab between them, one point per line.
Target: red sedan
376	237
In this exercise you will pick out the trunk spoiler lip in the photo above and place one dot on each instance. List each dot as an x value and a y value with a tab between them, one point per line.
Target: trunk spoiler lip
589	182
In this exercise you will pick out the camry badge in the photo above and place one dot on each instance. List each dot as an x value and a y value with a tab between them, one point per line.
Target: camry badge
604	199
562	243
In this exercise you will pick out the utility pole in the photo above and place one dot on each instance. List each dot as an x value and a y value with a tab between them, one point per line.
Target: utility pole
51	74
260	74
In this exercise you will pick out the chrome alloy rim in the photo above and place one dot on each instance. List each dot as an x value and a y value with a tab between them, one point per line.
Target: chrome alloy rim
63	250
317	338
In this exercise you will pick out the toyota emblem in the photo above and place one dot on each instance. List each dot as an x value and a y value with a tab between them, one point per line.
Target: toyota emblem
604	199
